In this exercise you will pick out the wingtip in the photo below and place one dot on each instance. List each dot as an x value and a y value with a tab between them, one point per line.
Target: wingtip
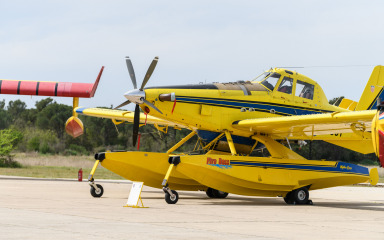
96	82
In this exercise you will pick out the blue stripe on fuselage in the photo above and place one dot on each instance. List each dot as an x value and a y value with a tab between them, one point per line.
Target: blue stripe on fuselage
258	106
208	136
340	167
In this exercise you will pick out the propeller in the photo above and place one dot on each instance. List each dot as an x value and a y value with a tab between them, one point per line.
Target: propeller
151	105
131	71
136	125
138	96
123	104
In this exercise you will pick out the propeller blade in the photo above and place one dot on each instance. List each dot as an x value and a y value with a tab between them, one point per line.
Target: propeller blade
123	104
136	125
149	72
131	71
151	105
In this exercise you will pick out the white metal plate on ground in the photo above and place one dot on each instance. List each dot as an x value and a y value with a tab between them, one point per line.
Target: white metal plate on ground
134	194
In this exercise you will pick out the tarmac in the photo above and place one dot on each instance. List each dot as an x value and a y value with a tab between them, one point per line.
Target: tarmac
64	209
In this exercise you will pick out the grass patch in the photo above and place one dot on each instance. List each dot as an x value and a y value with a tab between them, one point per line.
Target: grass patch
57	172
55	166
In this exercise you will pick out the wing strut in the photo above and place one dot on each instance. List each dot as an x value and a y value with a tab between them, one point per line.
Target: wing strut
182	141
276	149
230	142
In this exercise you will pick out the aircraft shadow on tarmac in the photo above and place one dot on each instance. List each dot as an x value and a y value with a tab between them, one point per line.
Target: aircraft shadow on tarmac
378	205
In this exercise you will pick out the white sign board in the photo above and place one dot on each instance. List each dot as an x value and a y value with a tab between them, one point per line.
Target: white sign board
134	194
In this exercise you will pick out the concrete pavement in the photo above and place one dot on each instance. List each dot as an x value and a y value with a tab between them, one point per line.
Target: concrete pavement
65	210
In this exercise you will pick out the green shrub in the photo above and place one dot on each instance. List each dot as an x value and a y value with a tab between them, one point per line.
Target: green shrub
45	148
34	144
5	163
79	149
69	152
43	141
9	138
74	150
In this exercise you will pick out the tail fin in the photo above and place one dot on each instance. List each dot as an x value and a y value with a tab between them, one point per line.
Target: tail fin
373	90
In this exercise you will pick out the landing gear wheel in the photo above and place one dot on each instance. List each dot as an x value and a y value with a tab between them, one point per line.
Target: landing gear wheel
213	193
288	198
300	195
219	194
97	193
171	200
210	193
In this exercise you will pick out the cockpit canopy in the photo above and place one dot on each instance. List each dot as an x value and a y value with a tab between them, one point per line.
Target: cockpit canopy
276	80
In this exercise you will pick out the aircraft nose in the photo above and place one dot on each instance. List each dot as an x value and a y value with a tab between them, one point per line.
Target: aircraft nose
135	96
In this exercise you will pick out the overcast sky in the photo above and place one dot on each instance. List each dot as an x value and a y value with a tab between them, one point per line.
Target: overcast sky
196	41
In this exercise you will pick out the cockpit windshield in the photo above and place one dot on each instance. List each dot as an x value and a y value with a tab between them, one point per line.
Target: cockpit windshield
270	80
261	77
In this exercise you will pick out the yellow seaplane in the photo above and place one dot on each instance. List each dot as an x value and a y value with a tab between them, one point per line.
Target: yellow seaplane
233	120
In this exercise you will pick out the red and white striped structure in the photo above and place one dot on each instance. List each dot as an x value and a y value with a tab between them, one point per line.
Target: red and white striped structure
51	89
73	126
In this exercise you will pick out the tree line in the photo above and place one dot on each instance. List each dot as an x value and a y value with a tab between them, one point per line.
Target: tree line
41	129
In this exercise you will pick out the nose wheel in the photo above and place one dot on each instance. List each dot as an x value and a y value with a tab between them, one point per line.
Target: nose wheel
97	192
171	198
96	189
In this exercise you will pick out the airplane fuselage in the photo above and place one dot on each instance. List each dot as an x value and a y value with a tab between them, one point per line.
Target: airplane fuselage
214	107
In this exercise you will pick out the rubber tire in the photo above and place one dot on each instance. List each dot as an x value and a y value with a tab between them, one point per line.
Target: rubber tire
219	194
213	193
300	196
288	198
168	197
210	193
97	194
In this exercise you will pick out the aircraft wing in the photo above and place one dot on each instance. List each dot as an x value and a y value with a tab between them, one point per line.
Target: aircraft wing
304	126
51	89
121	115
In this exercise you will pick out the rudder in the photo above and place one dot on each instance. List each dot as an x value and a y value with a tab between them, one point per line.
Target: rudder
373	90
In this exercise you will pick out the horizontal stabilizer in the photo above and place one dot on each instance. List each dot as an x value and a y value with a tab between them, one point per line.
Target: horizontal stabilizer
348	104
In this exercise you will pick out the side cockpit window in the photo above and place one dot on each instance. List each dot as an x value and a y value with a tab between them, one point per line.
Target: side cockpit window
271	80
286	85
304	90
